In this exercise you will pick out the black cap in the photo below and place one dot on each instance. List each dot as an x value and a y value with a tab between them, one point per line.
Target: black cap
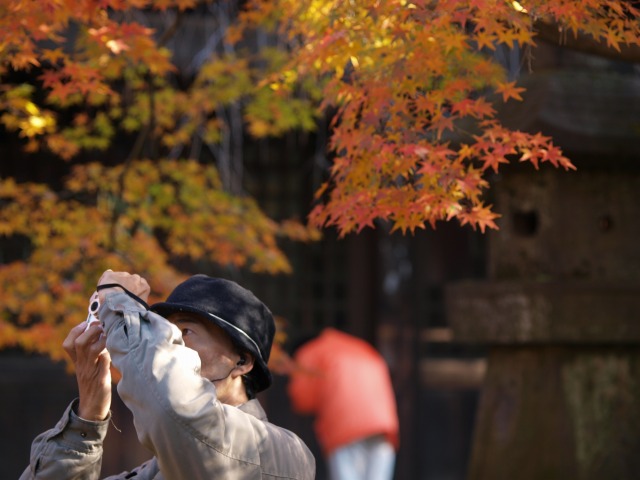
233	308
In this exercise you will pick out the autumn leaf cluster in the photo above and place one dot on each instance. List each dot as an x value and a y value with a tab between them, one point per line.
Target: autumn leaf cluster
413	85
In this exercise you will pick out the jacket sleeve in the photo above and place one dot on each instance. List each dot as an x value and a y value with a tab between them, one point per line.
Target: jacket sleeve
170	402
71	450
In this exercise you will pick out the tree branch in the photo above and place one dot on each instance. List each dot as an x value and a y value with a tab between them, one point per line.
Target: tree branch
145	134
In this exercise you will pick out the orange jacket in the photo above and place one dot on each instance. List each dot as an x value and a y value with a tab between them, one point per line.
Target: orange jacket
345	383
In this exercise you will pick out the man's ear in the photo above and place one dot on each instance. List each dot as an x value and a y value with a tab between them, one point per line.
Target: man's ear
245	363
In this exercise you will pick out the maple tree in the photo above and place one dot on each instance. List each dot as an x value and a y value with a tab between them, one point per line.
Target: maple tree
411	81
409	87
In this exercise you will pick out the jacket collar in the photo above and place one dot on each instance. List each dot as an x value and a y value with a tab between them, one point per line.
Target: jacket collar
253	407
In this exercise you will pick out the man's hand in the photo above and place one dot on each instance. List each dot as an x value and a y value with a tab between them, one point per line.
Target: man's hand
86	347
134	283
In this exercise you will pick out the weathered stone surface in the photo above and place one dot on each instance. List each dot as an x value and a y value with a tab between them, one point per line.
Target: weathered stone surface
560	413
557	225
544	312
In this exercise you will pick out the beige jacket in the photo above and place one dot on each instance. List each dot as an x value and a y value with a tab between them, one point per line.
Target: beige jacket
176	415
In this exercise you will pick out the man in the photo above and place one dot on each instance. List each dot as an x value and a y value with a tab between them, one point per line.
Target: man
190	369
356	424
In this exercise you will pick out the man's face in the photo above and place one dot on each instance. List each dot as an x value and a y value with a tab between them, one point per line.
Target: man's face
218	356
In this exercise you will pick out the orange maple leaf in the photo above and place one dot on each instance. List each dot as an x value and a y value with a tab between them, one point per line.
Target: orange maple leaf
479	216
484	39
509	90
454	40
528	154
185	4
493	160
53	55
554	155
466	151
613	39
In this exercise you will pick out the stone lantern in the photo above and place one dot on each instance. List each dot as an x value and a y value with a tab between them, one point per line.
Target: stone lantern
559	310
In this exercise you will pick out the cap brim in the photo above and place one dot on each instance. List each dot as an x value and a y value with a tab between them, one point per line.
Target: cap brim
260	373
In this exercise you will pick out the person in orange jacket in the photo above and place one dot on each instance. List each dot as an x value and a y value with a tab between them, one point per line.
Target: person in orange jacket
345	383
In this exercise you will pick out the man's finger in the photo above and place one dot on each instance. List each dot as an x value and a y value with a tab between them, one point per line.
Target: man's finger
90	343
69	343
89	336
104	274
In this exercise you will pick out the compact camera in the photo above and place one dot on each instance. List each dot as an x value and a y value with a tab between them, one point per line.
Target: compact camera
94	306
